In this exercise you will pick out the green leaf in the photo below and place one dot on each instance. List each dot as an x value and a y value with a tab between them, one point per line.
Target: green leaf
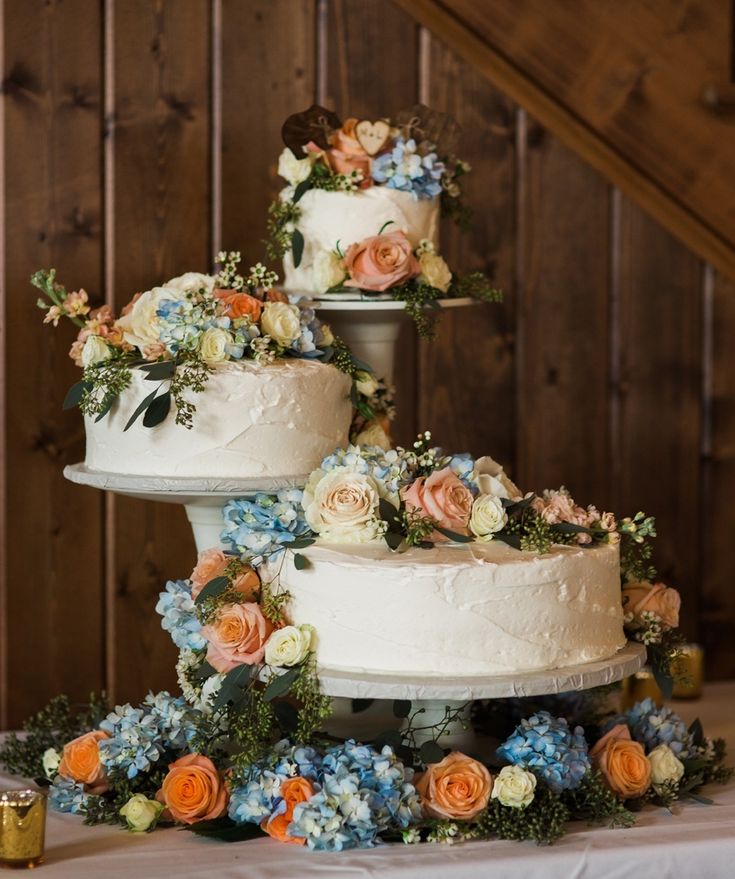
390	737
300	543
513	540
430	752
142	406
388	513
401	707
225	830
233	685
393	539
570	528
297	245
385	226
157	411
281	685
74	394
696	732
212	589
360	705
303	187
512	507
300	562
665	682
706	801
204	671
452	535
109	402
159	371
286	715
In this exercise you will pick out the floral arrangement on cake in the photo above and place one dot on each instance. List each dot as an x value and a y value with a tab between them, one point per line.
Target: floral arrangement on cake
411	153
179	332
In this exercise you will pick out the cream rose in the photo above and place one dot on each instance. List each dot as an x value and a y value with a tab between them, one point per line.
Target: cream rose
281	322
141	814
665	766
191	282
514	786
50	760
366	383
327	270
213	345
342	507
490	478
289	646
141	325
488	517
95	350
434	271
295	170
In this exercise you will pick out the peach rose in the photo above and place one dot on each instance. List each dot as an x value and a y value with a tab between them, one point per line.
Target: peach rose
380	262
657	598
347	154
294	791
80	761
623	762
457	788
444	497
240	304
274	295
126	309
237	636
213	563
193	790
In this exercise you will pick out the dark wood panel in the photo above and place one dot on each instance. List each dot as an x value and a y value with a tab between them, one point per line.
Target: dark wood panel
467	388
717	594
563	333
160	215
658	446
53	556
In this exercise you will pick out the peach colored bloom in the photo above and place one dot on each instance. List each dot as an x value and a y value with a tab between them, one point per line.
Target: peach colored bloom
193	790
237	636
53	315
240	304
213	563
274	295
75	352
456	788
347	154
76	303
126	309
380	262
655	597
80	761
154	351
294	791
443	497
623	762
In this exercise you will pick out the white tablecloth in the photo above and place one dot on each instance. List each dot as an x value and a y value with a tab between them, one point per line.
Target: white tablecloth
696	841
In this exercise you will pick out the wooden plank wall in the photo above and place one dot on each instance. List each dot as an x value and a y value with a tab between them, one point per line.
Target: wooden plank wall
141	136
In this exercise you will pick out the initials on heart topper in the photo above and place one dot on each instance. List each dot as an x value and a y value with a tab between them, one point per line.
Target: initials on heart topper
372	136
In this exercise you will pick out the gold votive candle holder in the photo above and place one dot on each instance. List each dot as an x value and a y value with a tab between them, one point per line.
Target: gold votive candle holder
22	828
640	686
690	667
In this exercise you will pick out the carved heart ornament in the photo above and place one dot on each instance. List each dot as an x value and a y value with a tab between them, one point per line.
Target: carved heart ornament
372	136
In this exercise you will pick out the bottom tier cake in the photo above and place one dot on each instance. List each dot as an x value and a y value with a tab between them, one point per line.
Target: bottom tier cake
457	609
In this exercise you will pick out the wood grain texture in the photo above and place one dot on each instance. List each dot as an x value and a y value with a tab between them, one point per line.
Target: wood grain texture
161	189
469	368
371	70
52	171
563	331
660	425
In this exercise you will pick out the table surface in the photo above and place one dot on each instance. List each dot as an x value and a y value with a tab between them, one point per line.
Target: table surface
694	841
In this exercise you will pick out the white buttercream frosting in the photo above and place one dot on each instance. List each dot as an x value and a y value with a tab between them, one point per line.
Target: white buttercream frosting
471	609
329	218
279	419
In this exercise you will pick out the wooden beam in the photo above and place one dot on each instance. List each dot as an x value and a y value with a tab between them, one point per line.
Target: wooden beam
659	203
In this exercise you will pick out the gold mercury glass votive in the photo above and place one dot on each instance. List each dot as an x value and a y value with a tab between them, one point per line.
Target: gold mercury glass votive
640	686
690	667
22	828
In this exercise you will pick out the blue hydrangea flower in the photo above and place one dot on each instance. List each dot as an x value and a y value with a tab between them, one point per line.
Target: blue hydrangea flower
405	169
464	465
256	798
312	338
652	726
264	524
178	610
65	795
547	747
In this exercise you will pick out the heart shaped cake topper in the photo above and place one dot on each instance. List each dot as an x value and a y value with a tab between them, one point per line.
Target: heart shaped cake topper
372	136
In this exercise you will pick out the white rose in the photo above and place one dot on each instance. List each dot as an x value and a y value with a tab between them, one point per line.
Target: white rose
490	478
434	271
140	813
141	325
294	170
192	282
282	322
488	516
51	759
514	787
289	645
366	383
213	345
341	507
95	350
373	435
327	270
665	766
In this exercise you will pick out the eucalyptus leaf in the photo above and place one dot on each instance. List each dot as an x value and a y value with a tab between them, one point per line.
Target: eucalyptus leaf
303	187
393	539
233	685
401	707
280	685
452	535
430	752
158	410
301	543
570	528
225	830
204	671
297	245
518	506
665	682
360	705
390	737
388	512
706	801
110	401
75	393
140	409
696	732
300	562
513	540
212	589
159	371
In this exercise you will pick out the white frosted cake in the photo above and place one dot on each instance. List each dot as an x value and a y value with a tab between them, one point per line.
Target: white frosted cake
473	609
278	419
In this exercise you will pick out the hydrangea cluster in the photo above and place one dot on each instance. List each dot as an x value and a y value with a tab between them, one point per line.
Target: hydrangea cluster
315	335
264	525
405	168
652	726
549	748
387	468
180	620
464	465
65	795
140	737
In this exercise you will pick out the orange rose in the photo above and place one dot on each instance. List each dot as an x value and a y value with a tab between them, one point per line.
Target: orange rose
623	762
457	788
237	636
81	762
274	295
655	597
213	563
193	790
240	304
294	791
444	497
347	154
